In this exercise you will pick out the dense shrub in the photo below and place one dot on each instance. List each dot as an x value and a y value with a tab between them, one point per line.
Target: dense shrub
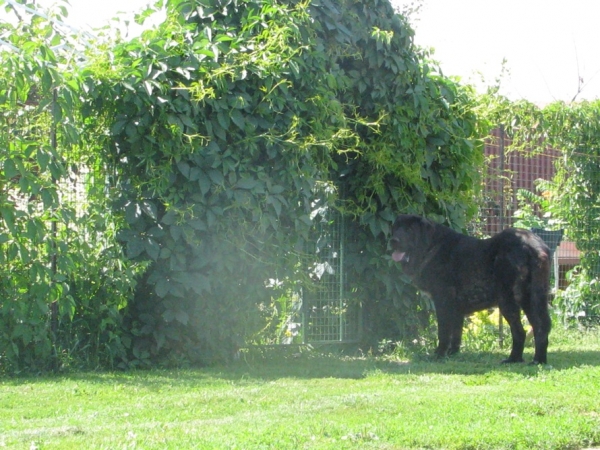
213	141
228	122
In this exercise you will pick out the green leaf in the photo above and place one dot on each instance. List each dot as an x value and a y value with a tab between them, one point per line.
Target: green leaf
173	119
149	208
187	122
216	176
131	130
238	119
43	158
169	218
118	126
184	168
176	232
156	232
247	183
133	212
135	247
195	174
162	287
57	170
152	248
57	112
66	304
204	183
223	120
148	86
32	230
24	184
276	204
198	224
168	315
10	169
182	317
219	131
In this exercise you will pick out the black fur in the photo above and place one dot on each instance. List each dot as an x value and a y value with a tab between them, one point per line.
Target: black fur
463	274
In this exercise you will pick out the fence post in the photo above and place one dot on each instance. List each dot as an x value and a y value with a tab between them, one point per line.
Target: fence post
53	236
341	290
502	210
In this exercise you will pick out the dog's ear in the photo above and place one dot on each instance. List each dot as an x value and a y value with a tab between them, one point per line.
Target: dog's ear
424	229
398	222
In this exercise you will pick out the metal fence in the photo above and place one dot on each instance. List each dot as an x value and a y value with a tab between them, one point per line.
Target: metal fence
321	312
328	316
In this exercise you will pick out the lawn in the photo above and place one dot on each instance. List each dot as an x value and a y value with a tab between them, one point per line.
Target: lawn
312	400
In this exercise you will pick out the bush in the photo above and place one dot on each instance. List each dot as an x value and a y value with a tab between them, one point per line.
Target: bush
228	122
209	144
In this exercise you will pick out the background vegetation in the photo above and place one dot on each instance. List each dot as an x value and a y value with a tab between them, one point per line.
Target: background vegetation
151	187
214	140
570	200
63	280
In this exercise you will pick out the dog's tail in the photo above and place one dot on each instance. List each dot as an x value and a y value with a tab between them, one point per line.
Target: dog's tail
540	320
539	267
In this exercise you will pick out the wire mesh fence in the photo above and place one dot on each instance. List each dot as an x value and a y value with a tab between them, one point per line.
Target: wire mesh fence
328	315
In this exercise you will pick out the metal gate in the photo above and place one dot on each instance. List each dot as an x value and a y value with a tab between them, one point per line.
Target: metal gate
320	312
328	315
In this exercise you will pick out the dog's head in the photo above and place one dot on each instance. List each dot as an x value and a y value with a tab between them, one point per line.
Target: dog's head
410	241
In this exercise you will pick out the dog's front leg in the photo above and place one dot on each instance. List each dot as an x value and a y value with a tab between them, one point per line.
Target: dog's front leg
445	328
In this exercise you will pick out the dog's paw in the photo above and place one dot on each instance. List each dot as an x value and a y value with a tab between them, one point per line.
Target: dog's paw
512	361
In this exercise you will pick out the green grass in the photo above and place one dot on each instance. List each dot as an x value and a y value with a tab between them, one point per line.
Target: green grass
315	401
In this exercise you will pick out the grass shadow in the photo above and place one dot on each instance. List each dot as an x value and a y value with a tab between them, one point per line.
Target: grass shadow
320	365
267	366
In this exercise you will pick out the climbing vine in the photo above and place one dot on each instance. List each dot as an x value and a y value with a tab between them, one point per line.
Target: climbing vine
228	122
208	146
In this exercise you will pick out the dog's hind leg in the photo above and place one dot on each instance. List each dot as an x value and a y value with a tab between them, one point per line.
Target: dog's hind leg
512	313
539	317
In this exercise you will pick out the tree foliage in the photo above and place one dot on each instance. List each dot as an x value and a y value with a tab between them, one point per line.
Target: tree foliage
226	125
575	130
63	280
216	138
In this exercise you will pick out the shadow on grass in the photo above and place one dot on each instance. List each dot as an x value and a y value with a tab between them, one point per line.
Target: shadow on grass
314	366
467	363
253	367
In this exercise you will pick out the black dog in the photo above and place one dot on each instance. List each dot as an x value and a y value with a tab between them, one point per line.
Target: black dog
463	274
